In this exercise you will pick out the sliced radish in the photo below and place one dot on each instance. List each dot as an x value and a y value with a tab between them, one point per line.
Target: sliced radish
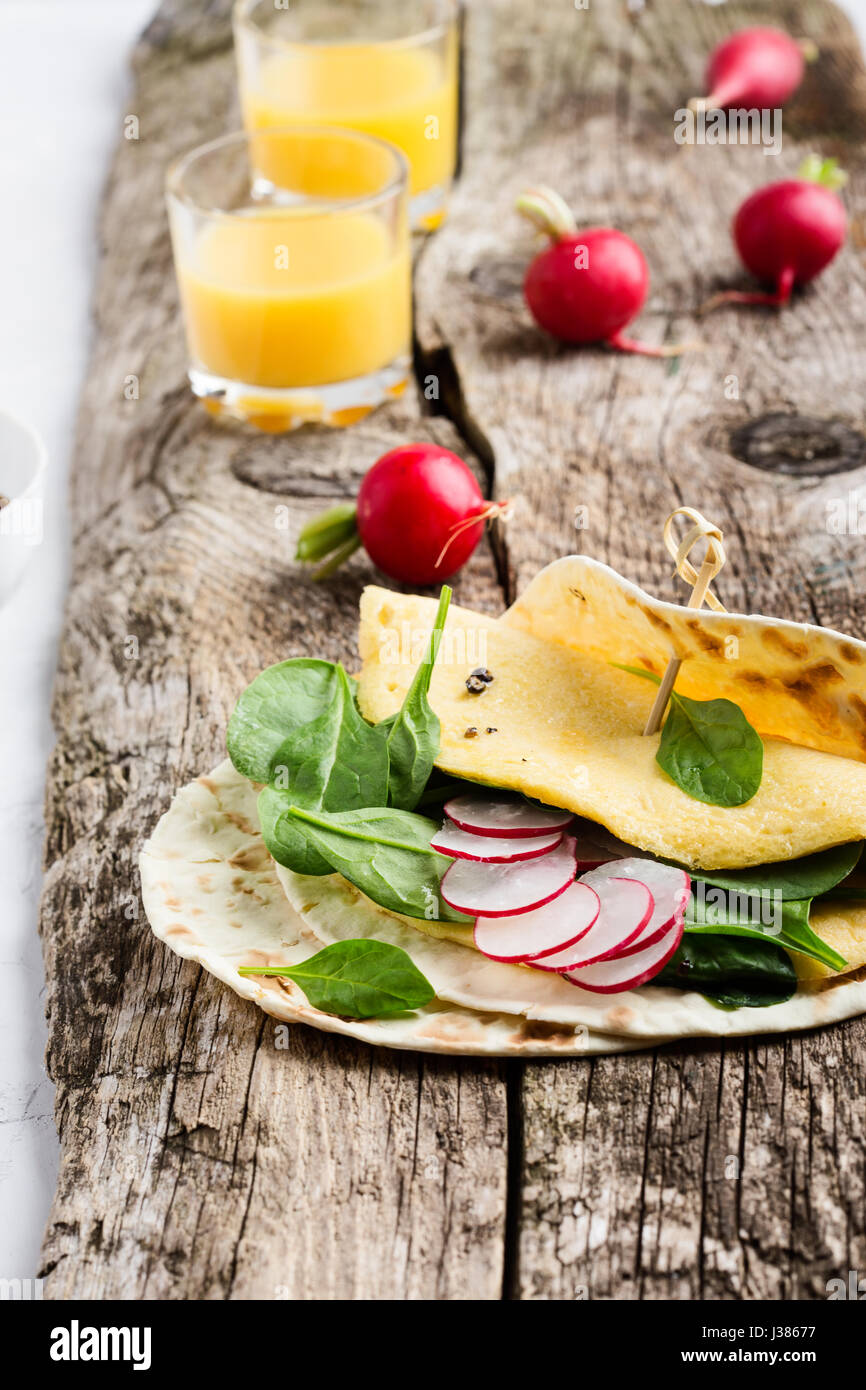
487	849
669	886
540	931
510	816
628	972
625	908
498	890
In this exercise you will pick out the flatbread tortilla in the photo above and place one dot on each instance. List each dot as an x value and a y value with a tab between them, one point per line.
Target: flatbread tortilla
568	725
213	894
559	723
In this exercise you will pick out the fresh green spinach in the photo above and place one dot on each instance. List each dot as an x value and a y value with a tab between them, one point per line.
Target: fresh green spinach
708	747
711	751
357	979
413	732
744	919
383	851
730	973
297	728
806	877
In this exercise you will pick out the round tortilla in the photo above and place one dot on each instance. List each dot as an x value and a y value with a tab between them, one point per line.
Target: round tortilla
211	892
214	895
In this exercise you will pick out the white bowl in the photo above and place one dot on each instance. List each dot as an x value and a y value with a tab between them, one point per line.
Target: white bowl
22	479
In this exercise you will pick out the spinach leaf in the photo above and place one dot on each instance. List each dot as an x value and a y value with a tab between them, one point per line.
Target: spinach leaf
807	877
708	747
744	919
711	751
297	728
730	972
357	979
413	733
383	851
284	840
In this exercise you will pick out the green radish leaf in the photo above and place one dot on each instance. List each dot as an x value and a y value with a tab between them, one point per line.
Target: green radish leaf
711	751
384	852
327	532
731	972
357	979
413	733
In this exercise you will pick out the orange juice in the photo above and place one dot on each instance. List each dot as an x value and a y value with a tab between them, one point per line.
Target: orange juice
277	299
401	93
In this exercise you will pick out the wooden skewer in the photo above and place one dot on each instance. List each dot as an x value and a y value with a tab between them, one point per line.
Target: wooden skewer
701	593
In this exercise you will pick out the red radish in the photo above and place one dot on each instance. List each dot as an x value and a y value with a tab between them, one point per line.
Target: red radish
670	888
540	931
586	286
498	814
498	890
628	972
788	232
625	908
754	67
487	849
420	514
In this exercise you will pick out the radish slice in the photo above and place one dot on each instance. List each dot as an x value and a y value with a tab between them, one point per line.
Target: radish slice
626	907
498	890
540	931
669	886
463	844
628	972
510	816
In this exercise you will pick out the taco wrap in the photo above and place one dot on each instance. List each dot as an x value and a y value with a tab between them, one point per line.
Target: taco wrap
464	805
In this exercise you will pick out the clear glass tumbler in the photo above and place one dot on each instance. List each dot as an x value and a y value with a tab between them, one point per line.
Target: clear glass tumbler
389	69
292	254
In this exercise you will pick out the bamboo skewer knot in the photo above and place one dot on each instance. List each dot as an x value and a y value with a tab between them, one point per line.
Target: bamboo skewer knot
714	558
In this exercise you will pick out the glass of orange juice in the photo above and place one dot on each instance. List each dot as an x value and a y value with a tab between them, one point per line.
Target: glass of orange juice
379	66
292	253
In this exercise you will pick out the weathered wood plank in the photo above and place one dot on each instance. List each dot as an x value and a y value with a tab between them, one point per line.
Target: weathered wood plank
707	1171
200	1160
190	1173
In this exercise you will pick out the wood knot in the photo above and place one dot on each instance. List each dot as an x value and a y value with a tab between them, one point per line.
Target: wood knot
799	445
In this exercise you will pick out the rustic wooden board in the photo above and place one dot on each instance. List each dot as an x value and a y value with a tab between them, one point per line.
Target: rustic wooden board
198	1159
708	1171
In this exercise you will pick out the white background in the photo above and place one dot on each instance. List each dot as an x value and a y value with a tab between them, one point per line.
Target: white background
63	79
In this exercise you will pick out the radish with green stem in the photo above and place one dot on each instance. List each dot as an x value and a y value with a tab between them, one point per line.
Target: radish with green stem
585	287
788	232
419	516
